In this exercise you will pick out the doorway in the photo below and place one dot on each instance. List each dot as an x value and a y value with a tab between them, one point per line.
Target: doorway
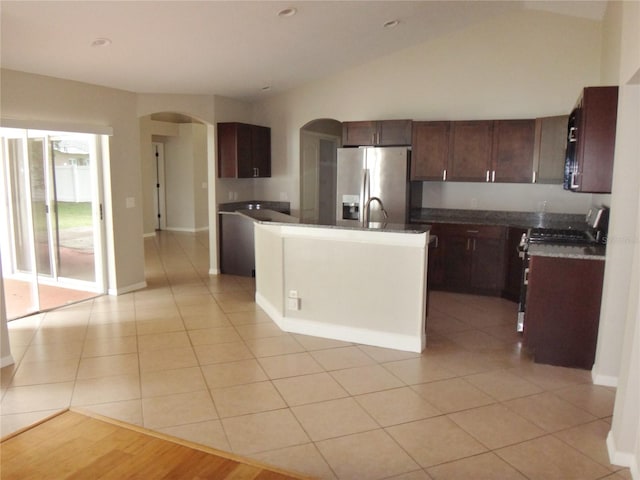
51	219
319	141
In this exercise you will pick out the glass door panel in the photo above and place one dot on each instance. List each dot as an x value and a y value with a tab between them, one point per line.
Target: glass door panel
40	204
51	227
16	242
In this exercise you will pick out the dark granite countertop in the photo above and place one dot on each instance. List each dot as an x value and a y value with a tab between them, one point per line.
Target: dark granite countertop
494	217
270	216
583	252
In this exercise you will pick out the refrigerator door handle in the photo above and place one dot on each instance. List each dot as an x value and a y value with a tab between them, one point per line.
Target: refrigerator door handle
364	194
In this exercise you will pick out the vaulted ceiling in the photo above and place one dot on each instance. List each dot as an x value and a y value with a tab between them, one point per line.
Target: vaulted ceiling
240	49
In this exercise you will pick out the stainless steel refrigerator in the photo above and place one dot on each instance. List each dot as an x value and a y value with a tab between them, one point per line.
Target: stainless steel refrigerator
374	181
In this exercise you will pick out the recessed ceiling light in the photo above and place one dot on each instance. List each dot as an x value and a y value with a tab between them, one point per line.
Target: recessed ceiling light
101	42
287	12
391	23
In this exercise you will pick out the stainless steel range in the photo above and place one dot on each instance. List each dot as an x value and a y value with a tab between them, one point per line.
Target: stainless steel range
594	233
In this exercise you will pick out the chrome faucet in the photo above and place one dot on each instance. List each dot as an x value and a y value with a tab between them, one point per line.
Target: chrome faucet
367	210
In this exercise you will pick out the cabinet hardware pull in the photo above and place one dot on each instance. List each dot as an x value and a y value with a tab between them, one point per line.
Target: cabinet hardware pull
487	178
573	134
526	276
574	183
468	243
435	241
533	180
493	176
444	174
474	244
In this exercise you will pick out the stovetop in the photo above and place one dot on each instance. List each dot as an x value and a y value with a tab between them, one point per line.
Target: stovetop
561	236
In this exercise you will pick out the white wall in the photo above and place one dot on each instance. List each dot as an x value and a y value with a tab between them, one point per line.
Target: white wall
517	66
513	197
618	354
185	178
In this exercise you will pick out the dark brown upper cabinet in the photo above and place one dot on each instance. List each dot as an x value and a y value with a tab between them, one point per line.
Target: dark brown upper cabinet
595	135
470	151
380	133
550	149
244	150
512	153
430	150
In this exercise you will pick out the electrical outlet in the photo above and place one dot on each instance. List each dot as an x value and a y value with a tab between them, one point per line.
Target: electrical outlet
293	294
293	304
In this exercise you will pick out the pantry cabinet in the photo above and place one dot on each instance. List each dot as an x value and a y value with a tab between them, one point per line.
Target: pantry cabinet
244	150
377	133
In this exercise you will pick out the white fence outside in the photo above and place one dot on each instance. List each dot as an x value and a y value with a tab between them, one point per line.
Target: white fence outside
73	183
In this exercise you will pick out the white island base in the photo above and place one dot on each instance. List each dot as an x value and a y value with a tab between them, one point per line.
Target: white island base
356	285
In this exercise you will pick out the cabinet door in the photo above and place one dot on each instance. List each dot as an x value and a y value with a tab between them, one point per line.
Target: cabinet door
487	265
430	150
470	151
456	251
596	139
245	150
355	134
394	133
563	310
261	151
513	142
550	149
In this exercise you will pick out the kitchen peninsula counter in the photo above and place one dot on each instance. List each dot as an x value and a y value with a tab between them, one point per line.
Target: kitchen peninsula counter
349	283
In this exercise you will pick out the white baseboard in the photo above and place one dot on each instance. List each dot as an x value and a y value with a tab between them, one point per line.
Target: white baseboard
186	230
623	459
603	380
127	289
6	361
214	271
149	235
363	336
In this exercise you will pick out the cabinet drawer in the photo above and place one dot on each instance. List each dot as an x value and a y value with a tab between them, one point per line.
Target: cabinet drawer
470	230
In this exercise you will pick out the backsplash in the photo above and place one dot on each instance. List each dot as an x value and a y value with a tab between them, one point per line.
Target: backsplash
505	197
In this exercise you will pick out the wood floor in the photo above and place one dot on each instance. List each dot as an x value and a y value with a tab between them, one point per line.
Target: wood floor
73	445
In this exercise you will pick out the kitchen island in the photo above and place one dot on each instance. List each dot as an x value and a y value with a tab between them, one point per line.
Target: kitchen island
356	284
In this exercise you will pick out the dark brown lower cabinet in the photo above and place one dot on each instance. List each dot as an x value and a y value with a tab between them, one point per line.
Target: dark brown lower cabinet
563	310
467	258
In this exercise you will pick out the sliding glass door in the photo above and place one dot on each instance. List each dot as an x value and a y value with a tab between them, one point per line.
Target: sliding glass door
51	239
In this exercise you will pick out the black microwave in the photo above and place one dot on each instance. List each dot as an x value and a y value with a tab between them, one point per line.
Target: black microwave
571	159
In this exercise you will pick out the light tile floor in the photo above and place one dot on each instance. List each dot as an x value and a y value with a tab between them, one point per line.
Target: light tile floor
192	356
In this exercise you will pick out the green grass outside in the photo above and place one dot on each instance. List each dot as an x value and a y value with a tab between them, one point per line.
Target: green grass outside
72	215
